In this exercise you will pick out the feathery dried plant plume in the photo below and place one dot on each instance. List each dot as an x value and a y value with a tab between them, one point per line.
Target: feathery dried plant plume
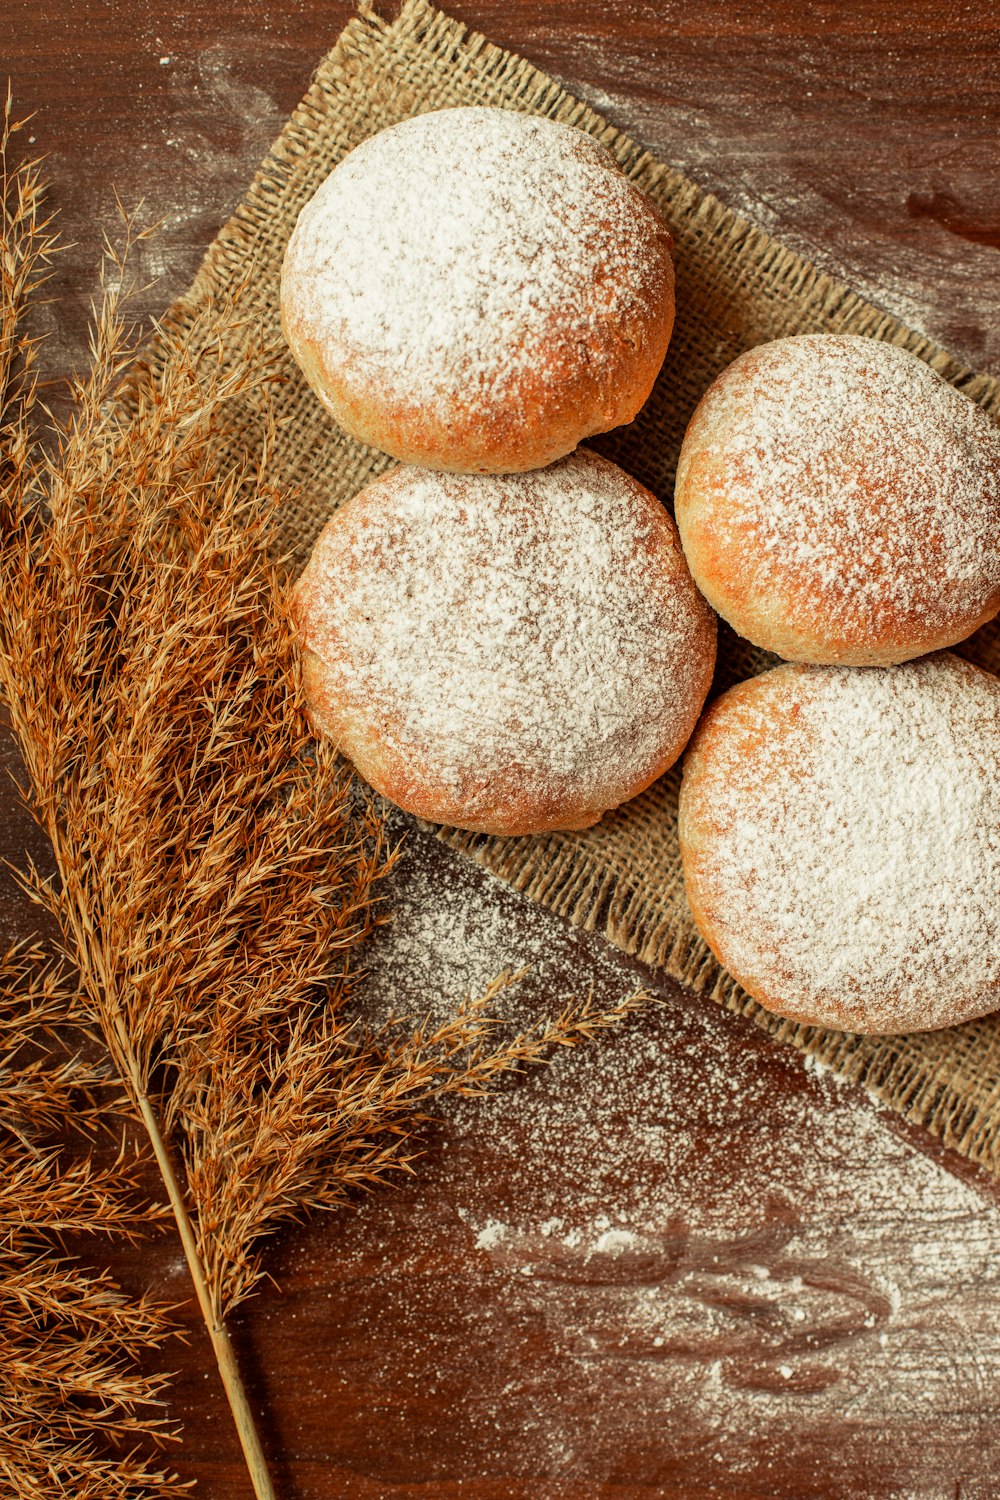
77	1417
216	868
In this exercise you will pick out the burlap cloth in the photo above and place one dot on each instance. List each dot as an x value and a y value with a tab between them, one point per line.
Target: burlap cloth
735	287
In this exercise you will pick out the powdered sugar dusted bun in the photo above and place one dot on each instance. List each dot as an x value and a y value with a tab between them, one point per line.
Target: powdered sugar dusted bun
838	501
477	290
508	654
840	835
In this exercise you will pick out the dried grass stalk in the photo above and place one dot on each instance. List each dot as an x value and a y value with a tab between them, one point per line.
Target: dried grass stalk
217	869
76	1414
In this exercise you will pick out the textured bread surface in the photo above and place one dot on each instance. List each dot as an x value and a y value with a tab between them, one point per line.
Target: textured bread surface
506	654
839	502
840	838
477	289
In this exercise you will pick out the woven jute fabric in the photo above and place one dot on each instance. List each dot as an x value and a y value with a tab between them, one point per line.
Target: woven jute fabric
736	287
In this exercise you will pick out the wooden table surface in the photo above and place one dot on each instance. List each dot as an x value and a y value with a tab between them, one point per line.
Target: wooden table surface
677	1263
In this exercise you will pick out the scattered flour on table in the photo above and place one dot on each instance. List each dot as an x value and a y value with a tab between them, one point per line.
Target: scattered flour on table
638	1260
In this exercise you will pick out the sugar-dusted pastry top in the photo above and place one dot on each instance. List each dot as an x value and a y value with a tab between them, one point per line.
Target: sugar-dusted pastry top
506	653
838	501
840	834
478	289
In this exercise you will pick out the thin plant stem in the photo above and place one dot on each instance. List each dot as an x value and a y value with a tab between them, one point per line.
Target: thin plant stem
222	1344
89	949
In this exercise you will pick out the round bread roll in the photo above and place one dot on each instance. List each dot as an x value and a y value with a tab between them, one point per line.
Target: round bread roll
477	290
840	836
507	654
839	502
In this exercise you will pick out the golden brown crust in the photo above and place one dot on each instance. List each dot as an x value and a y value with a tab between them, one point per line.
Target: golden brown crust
577	390
478	290
736	729
838	503
837	836
588	692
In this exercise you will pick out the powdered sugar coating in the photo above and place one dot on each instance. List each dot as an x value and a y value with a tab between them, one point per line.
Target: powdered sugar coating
472	283
506	653
838	501
840	832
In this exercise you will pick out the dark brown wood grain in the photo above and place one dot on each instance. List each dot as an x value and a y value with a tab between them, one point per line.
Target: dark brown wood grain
676	1264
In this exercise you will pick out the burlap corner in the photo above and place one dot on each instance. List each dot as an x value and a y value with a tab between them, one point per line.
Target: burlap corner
736	287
